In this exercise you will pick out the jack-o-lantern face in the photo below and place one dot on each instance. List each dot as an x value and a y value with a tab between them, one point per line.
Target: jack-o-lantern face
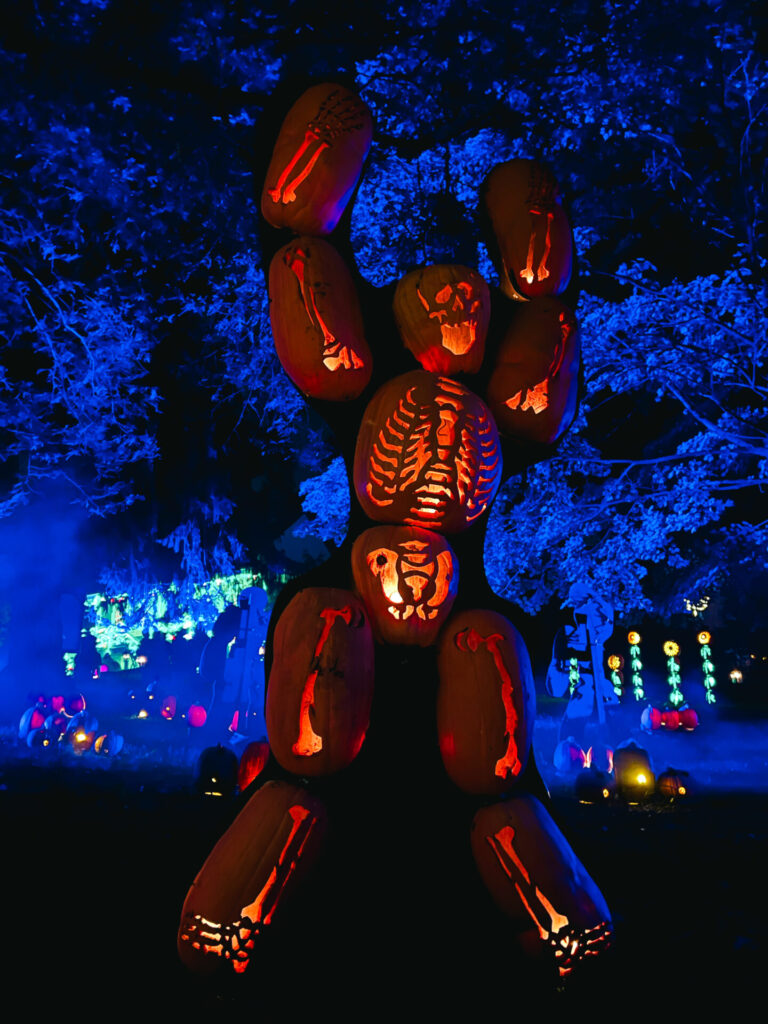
408	579
535	245
442	313
533	389
427	454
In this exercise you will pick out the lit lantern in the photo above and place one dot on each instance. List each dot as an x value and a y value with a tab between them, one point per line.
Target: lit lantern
535	878
273	840
455	472
196	716
321	683
535	245
317	160
408	579
253	760
168	707
216	772
442	313
634	775
633	638
674	784
650	719
593	785
532	391
672	649
486	702
616	664
708	667
736	676
569	757
317	325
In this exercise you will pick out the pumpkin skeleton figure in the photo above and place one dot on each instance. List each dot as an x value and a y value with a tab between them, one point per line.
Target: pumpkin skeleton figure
426	457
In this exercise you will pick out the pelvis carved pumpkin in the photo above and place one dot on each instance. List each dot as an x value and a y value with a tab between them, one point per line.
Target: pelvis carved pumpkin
427	454
317	160
532	232
408	579
321	684
486	702
316	321
272	841
536	879
533	389
442	313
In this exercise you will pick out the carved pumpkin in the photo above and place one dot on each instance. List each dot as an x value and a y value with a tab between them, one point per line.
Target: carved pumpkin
651	719
533	389
317	160
253	760
670	720
634	774
109	744
593	785
427	454
569	757
33	718
216	771
321	684
535	246
316	321
442	312
273	840
536	879
486	702
408	579
674	783
689	719
168	708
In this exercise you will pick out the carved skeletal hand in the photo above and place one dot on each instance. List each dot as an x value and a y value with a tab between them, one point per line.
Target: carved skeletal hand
427	463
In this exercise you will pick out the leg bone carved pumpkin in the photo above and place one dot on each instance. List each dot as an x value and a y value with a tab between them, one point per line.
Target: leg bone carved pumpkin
425	452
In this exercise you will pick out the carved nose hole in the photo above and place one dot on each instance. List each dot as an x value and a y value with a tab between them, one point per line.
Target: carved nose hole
381	560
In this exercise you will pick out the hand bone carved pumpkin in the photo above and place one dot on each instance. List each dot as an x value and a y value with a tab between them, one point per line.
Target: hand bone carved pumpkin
427	454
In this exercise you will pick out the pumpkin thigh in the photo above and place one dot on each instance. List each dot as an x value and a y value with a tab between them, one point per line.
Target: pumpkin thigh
269	845
535	878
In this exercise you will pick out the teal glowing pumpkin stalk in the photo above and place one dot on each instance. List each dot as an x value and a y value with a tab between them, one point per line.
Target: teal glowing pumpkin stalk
707	665
636	664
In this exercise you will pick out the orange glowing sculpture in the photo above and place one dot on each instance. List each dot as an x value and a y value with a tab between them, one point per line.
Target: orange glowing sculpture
486	702
317	160
442	313
427	454
321	684
316	322
408	579
535	245
276	836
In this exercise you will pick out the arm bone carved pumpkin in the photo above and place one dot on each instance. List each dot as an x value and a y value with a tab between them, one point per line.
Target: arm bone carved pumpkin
426	466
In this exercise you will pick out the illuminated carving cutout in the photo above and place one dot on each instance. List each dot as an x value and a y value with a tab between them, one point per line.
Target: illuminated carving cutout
337	116
234	941
457	314
537	397
309	742
335	355
543	199
568	944
528	273
438	450
471	640
411	567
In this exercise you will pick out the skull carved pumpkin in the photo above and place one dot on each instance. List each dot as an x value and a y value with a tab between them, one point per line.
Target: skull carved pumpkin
317	160
316	321
407	578
535	246
533	389
442	313
427	454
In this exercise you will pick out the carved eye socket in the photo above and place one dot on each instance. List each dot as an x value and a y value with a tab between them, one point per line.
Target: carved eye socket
381	560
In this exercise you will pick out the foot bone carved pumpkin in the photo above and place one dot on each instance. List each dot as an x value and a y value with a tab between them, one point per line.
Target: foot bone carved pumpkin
425	455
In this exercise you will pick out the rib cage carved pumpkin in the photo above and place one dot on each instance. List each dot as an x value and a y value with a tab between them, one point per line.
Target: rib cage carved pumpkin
427	454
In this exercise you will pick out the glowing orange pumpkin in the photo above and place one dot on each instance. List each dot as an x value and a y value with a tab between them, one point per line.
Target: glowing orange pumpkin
316	321
407	579
442	313
253	760
274	839
321	684
427	454
317	160
486	702
535	246
533	389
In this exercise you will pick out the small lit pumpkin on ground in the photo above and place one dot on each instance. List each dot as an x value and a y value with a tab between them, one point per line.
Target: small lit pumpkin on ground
533	389
321	683
270	844
486	702
593	785
689	719
536	879
253	760
442	312
216	771
408	579
316	321
670	720
674	783
633	770
535	245
317	160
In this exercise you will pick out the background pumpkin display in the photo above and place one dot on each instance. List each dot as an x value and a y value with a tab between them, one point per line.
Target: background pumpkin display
316	321
442	313
408	579
317	160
